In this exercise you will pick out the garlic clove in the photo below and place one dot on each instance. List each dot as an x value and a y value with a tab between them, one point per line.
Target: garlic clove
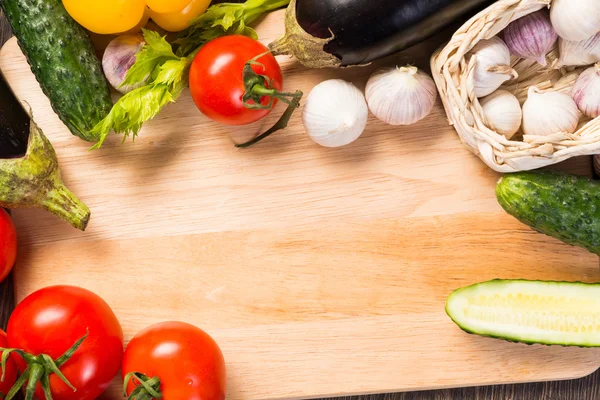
548	112
586	92
575	20
335	113
503	113
576	54
401	96
531	37
492	66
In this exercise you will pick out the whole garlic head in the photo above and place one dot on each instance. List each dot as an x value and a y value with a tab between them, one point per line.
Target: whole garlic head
401	96
335	113
575	20
503	112
579	53
547	112
492	66
531	37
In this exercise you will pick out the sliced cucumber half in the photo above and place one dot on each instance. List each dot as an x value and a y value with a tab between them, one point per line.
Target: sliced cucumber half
551	313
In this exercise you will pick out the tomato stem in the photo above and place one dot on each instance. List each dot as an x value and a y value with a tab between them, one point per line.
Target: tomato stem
35	375
257	88
282	123
39	368
146	388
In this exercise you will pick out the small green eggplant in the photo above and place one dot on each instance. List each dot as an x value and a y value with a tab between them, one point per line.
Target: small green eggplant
34	181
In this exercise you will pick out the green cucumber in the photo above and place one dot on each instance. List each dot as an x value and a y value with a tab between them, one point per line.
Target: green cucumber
64	62
550	313
563	206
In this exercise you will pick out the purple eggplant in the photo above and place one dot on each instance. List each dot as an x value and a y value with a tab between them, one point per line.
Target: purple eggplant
14	123
336	33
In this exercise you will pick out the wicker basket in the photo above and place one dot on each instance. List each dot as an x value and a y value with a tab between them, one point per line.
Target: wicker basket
453	76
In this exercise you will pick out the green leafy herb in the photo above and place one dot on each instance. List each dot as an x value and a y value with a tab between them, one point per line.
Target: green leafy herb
166	77
165	71
225	19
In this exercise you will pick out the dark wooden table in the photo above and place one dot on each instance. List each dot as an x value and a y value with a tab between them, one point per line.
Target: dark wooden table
583	389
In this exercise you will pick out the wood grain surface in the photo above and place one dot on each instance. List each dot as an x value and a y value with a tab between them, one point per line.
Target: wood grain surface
376	240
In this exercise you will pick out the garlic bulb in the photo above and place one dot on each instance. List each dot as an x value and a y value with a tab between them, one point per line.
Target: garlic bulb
492	66
335	113
575	20
503	112
531	37
547	112
576	54
119	57
401	96
586	92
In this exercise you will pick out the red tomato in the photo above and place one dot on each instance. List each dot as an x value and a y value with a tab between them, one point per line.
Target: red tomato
10	369
8	244
51	320
217	84
187	361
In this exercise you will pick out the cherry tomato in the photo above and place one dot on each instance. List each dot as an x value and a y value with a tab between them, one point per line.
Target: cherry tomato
217	84
51	320
10	373
8	244
187	361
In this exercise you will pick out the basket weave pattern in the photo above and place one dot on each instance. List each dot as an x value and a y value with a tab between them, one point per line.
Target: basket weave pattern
453	77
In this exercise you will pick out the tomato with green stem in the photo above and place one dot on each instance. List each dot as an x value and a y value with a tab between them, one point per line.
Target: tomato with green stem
9	369
66	342
8	244
173	361
235	80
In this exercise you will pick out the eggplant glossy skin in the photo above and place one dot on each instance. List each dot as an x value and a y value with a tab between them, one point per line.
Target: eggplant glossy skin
14	123
366	30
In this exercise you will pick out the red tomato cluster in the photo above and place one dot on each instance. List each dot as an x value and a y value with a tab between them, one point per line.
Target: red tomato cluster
66	341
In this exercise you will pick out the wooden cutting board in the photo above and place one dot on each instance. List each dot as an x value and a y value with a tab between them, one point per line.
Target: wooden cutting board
320	272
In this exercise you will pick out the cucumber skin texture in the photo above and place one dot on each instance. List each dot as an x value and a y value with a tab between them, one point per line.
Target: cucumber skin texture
563	206
465	329
63	60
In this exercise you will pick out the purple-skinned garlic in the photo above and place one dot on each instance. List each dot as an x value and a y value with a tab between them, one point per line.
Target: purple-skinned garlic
531	37
586	92
119	57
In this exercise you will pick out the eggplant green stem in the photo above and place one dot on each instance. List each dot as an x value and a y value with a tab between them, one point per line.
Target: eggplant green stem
147	388
34	180
309	50
39	368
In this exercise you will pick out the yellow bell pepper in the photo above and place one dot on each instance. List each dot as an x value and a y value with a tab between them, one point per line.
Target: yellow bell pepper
180	20
118	16
107	16
167	6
